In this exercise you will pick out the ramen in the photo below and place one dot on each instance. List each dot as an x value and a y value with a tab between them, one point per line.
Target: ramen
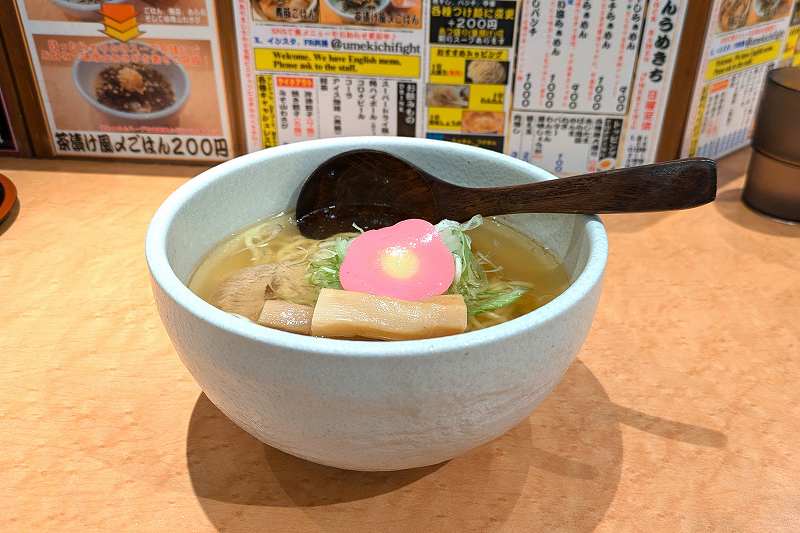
412	280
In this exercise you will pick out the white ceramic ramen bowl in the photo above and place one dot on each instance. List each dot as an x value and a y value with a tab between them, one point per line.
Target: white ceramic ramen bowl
357	404
85	73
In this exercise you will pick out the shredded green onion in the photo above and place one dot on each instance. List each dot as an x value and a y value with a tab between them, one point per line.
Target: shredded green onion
323	269
494	297
470	280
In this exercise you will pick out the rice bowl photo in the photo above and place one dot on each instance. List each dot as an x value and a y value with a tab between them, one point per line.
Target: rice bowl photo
134	91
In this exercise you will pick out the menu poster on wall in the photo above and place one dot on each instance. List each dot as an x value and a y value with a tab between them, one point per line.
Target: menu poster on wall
791	50
565	143
8	144
470	71
651	84
130	78
573	82
744	40
328	68
577	56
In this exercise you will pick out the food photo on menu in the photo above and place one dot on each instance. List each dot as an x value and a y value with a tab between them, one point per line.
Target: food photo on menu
396	13
145	85
179	12
736	14
390	13
286	10
448	96
486	71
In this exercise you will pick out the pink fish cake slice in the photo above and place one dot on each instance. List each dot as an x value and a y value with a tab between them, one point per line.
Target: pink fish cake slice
408	261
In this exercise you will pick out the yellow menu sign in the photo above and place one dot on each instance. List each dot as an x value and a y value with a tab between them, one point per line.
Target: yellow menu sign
395	66
449	64
737	61
266	104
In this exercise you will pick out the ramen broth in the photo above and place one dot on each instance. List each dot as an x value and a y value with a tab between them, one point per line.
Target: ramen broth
504	254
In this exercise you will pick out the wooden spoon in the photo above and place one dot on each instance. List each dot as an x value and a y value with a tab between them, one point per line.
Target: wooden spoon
374	189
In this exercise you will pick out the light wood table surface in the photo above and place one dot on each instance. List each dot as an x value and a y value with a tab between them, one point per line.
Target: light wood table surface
682	412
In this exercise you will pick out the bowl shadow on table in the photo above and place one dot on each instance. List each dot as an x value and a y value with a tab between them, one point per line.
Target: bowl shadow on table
561	465
730	205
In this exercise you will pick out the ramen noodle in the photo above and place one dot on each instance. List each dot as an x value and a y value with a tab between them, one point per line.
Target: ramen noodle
408	281
486	71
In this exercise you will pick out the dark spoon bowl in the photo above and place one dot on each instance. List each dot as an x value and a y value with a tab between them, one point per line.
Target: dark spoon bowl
373	188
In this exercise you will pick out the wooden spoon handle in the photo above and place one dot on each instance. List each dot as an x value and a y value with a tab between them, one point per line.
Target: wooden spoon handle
660	187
